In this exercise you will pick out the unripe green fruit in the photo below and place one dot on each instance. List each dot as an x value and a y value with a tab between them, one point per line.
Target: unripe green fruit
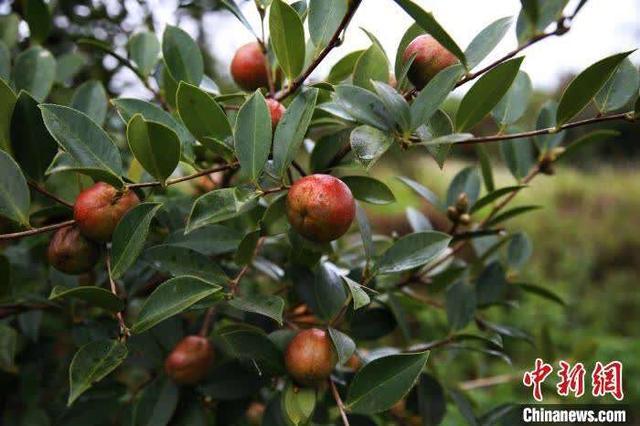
70	252
320	207
98	210
310	357
190	360
249	67
431	58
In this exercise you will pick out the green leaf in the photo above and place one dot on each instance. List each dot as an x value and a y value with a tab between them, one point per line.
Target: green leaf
91	98
157	403
8	347
439	125
144	49
35	71
68	66
519	250
324	19
9	29
493	196
432	404
433	94
250	343
292	129
510	214
64	162
586	85
360	297
420	189
298	403
38	16
231	381
491	285
485	168
343	344
219	205
31	144
182	56
443	140
233	8
328	291
93	362
363	106
371	65
395	104
82	138
247	248
253	136
464	406
287	38
518	155
344	67
431	26
14	193
7	104
412	251
460	303
365	231
531	24
154	145
486	40
267	305
546	119
542	292
369	144
486	93
384	381
400	66
170	298
620	89
130	235
466	181
418	221
202	115
592	137
177	260
96	296
515	103
369	189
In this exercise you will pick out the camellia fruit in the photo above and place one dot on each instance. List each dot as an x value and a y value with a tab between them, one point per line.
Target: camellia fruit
320	207
276	111
190	360
249	67
99	208
70	252
310	357
431	58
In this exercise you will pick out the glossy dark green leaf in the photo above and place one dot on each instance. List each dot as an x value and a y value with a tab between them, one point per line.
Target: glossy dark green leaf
209	240
130	235
519	250
518	156
485	168
144	49
343	344
344	67
515	103
269	306
433	94
157	403
253	136
486	93
287	38
91	98
202	115
292	129
7	103
493	196
92	363
247	248
245	342
413	250
586	85
38	16
372	323
511	213
82	138
324	19
219	205
542	292
384	381
535	16
420	189
365	231
31	144
96	296
369	144
329	291
491	285
431	26
360	297
620	89
371	65
364	106
154	145
431	400
170	298
15	199
68	66
298	404
34	70
464	406
486	40
546	119
368	189
591	137
177	260
395	104
182	56
461	304
64	162
232	380
467	181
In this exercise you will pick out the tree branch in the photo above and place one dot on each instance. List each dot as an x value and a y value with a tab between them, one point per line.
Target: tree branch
185	178
36	231
335	41
48	194
339	403
124	330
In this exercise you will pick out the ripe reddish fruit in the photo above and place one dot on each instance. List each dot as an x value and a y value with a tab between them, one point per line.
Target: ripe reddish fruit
249	67
310	356
276	110
70	252
190	360
431	58
98	210
320	207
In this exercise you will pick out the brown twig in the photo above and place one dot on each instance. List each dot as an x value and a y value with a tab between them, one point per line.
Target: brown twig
339	403
335	41
124	330
185	178
36	231
208	320
298	168
48	194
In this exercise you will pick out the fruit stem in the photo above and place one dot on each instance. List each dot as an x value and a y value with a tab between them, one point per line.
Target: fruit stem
339	403
124	330
36	231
